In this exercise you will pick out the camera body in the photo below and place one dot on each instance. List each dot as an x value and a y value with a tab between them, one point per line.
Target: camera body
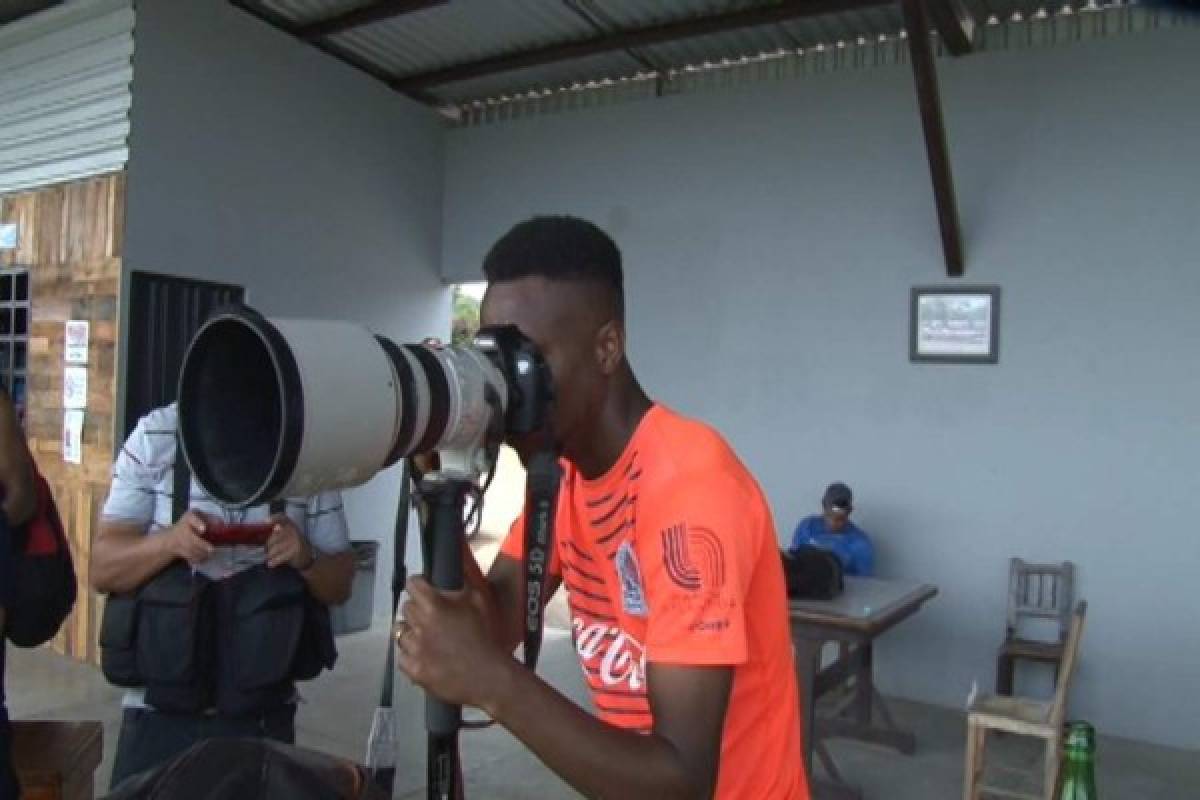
272	408
526	375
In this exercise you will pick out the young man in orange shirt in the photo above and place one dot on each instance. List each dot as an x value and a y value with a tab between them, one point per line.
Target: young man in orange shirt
667	550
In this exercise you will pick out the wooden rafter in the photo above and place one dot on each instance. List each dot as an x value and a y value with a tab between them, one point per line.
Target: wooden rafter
954	24
916	22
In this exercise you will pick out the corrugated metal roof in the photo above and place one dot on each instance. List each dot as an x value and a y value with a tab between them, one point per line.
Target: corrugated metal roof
64	88
462	31
608	66
465	31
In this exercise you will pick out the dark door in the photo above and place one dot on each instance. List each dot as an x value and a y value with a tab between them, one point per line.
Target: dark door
164	314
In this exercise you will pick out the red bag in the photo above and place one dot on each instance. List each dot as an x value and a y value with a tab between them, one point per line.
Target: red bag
43	591
44	533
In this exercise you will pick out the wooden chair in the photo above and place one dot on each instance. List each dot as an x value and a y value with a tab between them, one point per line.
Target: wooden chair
1035	591
1023	717
56	760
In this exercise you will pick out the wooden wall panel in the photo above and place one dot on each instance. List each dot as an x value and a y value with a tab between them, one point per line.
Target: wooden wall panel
70	239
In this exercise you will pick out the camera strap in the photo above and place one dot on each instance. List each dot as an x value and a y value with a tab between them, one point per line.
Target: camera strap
542	482
399	577
181	486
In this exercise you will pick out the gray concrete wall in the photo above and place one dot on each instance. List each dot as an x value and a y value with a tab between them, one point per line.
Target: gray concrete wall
771	236
260	161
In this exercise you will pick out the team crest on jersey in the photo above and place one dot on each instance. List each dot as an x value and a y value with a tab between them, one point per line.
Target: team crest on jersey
633	596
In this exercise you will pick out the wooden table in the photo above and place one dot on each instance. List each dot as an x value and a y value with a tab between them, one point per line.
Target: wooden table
868	608
56	760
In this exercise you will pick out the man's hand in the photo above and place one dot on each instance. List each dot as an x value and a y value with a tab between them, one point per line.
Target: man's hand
444	645
286	547
184	539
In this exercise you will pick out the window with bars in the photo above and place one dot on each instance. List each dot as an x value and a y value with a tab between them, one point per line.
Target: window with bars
14	335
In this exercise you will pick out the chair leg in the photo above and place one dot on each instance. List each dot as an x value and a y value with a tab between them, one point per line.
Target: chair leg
1050	778
973	766
1004	675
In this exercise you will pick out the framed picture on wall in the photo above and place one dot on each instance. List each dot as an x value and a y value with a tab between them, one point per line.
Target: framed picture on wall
954	324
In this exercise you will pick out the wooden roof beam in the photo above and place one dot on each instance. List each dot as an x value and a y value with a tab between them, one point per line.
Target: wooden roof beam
954	24
916	22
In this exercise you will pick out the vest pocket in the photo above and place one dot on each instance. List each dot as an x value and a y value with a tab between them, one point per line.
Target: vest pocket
118	640
268	622
174	641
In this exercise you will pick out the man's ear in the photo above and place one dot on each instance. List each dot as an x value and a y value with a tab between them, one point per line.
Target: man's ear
610	346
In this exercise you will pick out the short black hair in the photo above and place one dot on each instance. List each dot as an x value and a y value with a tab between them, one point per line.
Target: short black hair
559	248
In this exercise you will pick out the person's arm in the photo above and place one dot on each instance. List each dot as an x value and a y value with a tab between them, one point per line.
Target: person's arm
679	759
322	554
330	577
444	647
16	473
692	649
800	537
124	557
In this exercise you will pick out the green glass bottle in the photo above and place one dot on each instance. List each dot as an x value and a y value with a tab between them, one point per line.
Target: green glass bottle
1079	763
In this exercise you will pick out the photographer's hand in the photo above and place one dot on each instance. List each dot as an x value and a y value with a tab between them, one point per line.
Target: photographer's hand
444	645
184	539
287	547
445	648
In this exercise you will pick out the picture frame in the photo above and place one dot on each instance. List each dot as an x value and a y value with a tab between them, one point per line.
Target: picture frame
954	325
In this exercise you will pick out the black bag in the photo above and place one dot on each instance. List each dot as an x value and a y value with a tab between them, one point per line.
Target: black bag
43	591
812	574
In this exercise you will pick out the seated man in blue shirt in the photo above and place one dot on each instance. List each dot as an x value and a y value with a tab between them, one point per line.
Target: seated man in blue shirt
833	531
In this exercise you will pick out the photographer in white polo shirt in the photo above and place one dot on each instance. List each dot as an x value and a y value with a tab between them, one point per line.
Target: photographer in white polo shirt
139	539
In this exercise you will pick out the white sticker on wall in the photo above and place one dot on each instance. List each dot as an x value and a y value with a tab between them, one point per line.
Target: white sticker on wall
73	436
74	387
75	350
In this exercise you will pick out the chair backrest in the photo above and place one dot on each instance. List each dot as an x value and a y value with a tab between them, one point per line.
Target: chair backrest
1070	655
1040	591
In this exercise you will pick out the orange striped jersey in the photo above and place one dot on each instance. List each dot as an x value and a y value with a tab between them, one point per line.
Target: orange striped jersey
671	557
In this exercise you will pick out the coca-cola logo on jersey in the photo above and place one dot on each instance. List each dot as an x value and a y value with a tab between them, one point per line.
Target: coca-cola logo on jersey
618	658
